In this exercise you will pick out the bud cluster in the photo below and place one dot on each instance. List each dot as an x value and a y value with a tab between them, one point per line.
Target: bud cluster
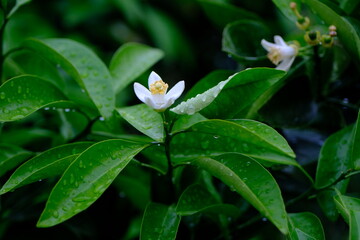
313	37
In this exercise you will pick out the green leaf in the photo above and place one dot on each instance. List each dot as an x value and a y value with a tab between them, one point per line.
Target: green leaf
159	222
243	88
83	65
11	156
47	164
345	205
253	182
214	137
23	95
334	158
130	61
354	225
349	5
87	178
200	101
345	31
244	45
186	121
284	6
355	147
144	119
196	199
18	4
305	226
222	13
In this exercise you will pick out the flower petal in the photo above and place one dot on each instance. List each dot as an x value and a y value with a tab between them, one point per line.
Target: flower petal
280	41
286	64
153	78
141	92
268	45
176	91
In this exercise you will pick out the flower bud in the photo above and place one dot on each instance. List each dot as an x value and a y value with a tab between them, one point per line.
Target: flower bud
312	37
303	23
327	41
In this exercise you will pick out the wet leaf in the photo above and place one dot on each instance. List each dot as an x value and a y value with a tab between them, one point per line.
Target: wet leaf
305	225
253	182
11	156
89	175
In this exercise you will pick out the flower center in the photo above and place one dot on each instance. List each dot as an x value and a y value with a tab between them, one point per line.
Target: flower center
274	55
158	87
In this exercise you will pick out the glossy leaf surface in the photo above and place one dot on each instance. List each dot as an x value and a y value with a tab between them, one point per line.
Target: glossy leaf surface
83	65
11	156
50	163
214	137
355	145
130	61
159	222
253	182
196	199
305	226
334	158
87	178
144	119
23	95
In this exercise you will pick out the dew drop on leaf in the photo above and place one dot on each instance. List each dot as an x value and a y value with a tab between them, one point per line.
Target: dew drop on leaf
2	95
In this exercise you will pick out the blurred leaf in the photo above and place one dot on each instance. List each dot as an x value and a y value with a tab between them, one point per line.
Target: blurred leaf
52	162
186	121
243	88
355	147
253	182
349	5
196	199
144	119
28	63
244	45
87	178
284	6
132	10
159	222
354	225
347	204
222	13
334	158
83	65
168	36
11	156
130	61
345	31
214	137
305	226
134	184
156	157
18	4
23	95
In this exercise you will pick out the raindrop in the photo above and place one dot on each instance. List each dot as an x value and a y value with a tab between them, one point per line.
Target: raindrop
67	109
203	98
245	147
19	89
216	137
264	219
102	119
56	214
2	95
248	163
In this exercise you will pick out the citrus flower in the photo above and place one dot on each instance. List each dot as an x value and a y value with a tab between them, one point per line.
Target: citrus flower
156	96
280	53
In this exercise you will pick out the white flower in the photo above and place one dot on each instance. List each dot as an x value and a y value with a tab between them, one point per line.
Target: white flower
156	96
280	53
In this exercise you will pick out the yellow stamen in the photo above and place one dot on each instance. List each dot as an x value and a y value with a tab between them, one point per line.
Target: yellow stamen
158	87
274	55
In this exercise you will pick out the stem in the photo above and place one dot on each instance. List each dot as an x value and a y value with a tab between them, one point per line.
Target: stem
85	131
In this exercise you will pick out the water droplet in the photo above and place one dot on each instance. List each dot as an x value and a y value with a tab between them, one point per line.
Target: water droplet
245	147
2	95
264	219
19	90
47	108
216	136
248	163
203	98
67	109
56	214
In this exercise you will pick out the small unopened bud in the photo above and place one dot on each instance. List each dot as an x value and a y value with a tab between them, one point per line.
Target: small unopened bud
332	31
312	37
327	41
293	5
303	23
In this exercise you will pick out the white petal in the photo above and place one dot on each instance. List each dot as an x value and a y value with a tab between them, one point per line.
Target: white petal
150	102
176	91
268	45
287	52
141	91
153	78
279	41
286	64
